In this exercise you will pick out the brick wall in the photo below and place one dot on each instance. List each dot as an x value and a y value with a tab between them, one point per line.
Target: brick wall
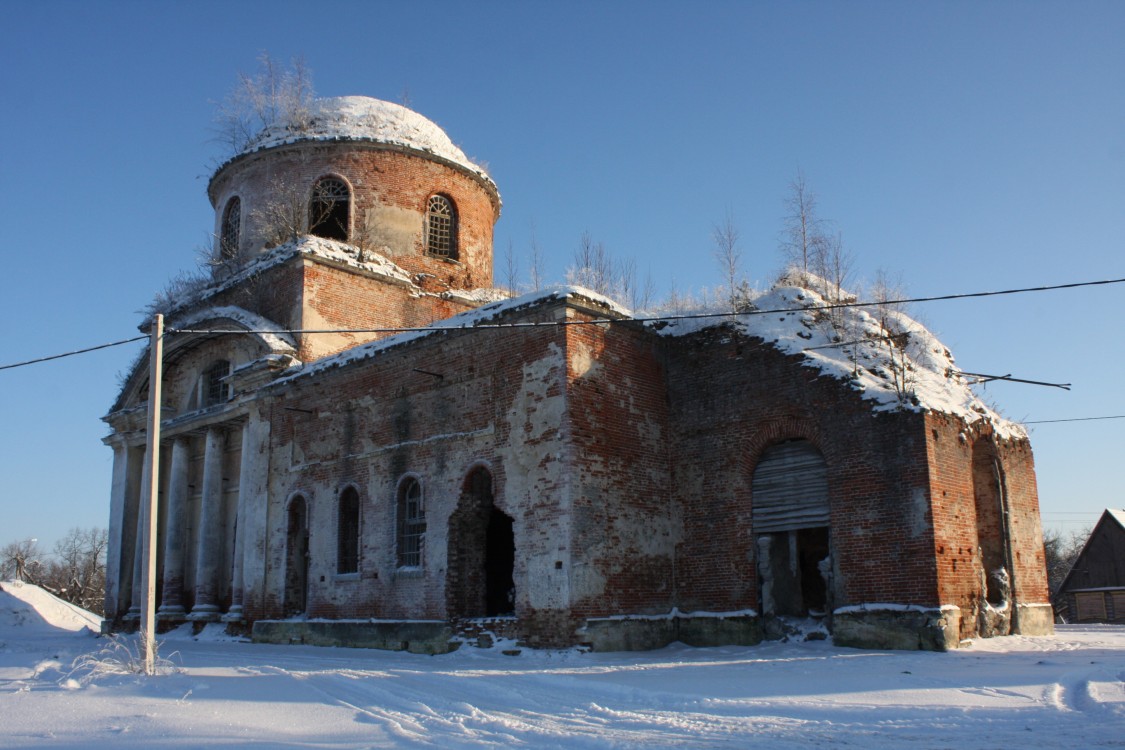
368	425
731	397
625	523
961	532
390	190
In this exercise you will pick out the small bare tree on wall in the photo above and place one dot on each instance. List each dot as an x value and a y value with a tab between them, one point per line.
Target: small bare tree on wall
728	254
276	94
804	229
281	217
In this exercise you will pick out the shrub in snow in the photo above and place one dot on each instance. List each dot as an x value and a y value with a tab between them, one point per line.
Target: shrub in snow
120	656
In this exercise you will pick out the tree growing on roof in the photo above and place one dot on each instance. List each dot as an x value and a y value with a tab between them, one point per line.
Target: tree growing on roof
274	94
728	254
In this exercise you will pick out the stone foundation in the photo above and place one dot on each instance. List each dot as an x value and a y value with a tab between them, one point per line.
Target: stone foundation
907	628
417	637
648	633
1035	619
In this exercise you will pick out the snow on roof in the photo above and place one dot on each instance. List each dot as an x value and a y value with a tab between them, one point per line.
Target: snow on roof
1118	515
361	118
277	342
309	246
469	319
918	376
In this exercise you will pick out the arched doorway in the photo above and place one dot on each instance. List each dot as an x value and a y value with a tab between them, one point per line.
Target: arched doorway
482	552
297	558
790	515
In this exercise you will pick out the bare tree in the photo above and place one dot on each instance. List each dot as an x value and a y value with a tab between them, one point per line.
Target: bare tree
593	267
624	284
886	290
178	289
804	229
832	267
281	217
893	336
536	270
728	254
275	96
645	295
76	573
511	270
21	560
1060	551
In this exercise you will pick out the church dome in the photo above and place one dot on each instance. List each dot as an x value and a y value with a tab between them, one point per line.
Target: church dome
364	119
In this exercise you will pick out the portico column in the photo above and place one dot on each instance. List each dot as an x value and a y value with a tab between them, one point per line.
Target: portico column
245	477
119	519
137	586
210	546
172	604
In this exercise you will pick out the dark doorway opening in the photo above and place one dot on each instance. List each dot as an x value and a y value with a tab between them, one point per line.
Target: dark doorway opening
499	559
794	567
812	555
482	552
297	558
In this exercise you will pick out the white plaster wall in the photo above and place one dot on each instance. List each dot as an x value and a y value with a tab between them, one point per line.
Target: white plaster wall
537	485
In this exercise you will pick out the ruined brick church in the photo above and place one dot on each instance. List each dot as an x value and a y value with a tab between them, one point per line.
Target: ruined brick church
365	444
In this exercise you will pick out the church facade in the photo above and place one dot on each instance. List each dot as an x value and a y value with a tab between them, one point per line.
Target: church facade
364	444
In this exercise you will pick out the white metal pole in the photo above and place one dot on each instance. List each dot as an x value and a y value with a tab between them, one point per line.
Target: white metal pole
148	570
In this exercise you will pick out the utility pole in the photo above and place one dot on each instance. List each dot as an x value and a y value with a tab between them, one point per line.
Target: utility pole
152	469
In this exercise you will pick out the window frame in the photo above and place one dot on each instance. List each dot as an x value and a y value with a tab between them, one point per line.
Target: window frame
345	196
410	524
348	548
213	391
230	232
442	241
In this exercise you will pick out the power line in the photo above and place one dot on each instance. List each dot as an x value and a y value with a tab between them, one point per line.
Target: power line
663	318
71	354
596	321
1076	419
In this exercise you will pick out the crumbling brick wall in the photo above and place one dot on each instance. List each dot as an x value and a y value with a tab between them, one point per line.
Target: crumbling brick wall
731	397
390	188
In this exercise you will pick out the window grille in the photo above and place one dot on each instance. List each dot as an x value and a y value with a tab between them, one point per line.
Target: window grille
441	228
213	386
411	524
229	232
329	208
347	547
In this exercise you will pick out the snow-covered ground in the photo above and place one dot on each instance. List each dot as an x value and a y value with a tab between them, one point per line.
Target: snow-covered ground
1064	691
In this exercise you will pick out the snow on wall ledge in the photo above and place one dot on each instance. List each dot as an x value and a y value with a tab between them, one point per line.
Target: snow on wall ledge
890	358
488	314
307	245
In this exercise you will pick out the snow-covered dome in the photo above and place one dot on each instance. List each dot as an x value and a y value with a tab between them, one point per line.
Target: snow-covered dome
362	118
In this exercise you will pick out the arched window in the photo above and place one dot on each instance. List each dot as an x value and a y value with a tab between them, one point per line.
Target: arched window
347	529
213	388
329	208
230	228
297	557
411	524
441	228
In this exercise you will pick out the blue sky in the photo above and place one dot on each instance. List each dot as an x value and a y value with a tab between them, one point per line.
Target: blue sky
965	146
